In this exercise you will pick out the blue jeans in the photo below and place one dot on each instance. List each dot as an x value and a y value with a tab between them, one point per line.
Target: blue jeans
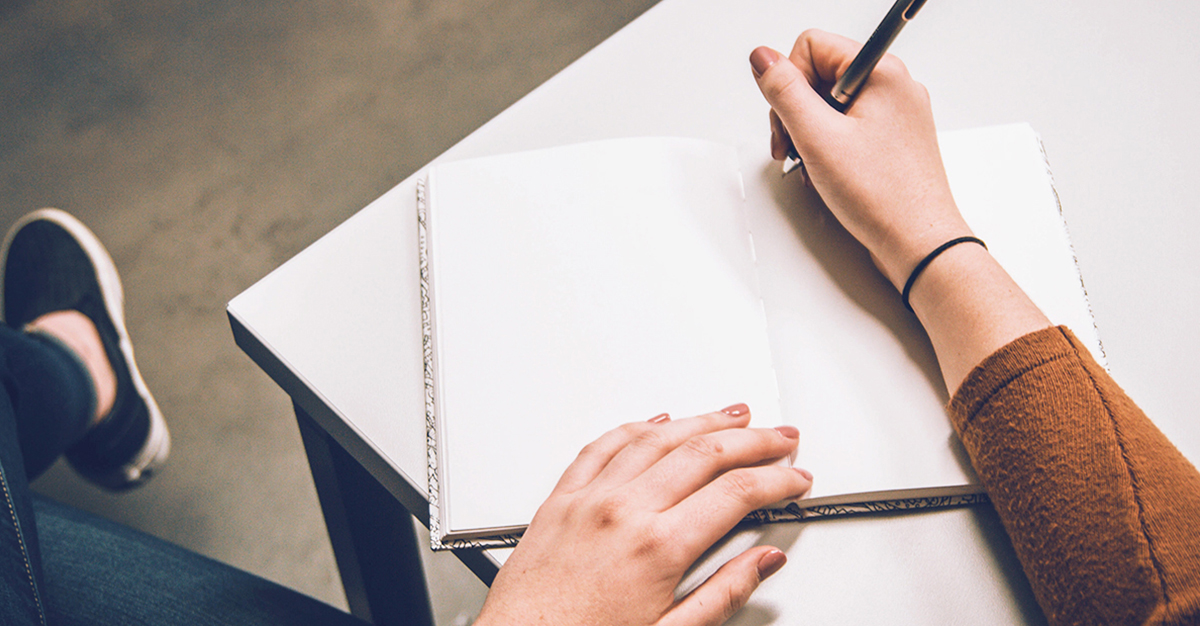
59	565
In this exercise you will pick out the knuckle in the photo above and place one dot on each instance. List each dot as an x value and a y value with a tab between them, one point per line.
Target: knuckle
652	439
704	447
609	511
891	66
633	429
592	448
613	439
742	485
557	507
736	596
922	93
652	540
778	89
810	34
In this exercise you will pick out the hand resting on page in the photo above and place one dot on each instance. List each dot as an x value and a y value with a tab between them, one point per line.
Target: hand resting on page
634	511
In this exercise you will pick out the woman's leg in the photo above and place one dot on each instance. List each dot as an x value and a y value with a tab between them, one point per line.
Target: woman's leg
58	564
58	277
98	573
20	560
50	393
63	566
46	402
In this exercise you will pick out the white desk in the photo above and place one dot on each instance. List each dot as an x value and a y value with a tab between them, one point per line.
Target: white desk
1111	87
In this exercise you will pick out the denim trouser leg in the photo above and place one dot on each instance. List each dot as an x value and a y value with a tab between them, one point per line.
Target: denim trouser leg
100	573
59	565
46	401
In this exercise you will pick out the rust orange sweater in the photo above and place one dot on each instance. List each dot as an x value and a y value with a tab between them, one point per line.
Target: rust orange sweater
1104	512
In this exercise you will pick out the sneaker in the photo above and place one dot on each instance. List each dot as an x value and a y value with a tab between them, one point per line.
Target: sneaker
51	262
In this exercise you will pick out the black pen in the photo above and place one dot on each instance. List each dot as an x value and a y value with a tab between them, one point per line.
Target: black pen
844	91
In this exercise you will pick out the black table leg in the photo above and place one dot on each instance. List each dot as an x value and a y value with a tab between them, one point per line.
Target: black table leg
372	535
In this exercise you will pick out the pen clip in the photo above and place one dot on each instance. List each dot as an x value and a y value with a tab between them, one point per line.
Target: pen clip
912	9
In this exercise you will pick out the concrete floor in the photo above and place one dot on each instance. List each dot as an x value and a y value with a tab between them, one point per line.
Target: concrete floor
206	142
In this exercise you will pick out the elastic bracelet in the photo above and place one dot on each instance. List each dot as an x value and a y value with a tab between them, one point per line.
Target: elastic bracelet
912	278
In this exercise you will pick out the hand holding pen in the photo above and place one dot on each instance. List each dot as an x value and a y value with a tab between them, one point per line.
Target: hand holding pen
877	166
851	81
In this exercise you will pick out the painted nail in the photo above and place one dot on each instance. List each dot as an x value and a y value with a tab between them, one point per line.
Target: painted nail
660	418
791	432
736	410
762	59
805	473
770	563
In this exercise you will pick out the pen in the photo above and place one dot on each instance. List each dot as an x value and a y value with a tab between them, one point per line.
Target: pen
846	89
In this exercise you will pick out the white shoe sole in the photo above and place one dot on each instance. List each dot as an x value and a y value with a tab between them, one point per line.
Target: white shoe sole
158	442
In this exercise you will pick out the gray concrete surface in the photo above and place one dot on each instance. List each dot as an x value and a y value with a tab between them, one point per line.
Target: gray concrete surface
206	142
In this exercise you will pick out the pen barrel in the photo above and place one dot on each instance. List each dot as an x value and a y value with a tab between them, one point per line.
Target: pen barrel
852	80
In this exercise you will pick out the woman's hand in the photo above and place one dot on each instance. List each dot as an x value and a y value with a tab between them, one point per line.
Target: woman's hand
880	172
877	166
634	511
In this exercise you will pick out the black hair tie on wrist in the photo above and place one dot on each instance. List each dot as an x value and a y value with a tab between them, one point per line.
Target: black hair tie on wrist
912	278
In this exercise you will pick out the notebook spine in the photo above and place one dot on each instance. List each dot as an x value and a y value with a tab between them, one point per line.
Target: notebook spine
431	433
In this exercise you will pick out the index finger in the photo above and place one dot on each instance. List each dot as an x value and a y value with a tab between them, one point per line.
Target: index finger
626	451
705	458
823	57
725	501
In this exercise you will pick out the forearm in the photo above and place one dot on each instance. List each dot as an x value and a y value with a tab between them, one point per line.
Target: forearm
1103	511
970	308
879	170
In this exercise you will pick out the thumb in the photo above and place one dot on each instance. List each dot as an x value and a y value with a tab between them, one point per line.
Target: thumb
792	96
727	590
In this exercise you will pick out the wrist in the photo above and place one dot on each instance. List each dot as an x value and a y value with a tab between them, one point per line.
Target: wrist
957	273
900	255
970	307
930	258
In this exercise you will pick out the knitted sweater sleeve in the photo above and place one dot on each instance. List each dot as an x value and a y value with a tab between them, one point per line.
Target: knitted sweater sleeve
1103	511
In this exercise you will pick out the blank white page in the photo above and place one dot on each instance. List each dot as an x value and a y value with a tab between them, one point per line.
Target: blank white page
578	288
857	373
1003	184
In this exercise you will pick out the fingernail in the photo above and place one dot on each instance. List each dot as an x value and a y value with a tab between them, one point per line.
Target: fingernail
762	59
736	410
770	563
660	418
805	473
781	146
791	432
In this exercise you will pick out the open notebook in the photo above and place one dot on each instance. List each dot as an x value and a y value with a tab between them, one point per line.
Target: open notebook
570	290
